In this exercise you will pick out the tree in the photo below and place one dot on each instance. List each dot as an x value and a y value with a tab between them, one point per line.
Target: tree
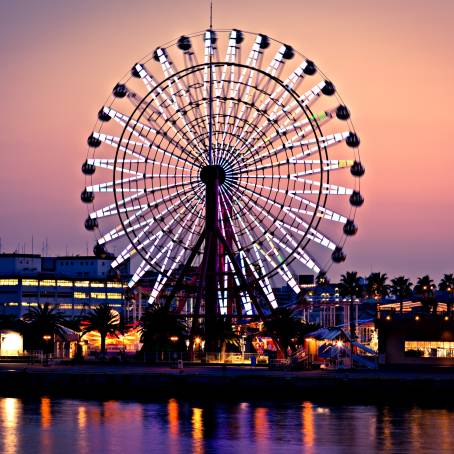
377	287
425	289
41	324
350	287
401	289
225	334
158	326
284	326
103	320
447	285
10	322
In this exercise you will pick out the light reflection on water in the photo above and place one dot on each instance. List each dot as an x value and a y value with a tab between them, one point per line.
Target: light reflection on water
48	426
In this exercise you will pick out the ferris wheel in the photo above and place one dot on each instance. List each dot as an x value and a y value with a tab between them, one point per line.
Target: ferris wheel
228	151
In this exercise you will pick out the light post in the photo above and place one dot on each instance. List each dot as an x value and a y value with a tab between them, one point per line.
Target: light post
46	339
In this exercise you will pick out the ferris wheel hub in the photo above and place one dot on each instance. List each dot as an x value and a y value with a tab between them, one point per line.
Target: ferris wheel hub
210	173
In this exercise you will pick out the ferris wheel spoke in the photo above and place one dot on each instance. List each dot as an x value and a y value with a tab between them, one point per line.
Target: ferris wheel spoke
305	144
137	245
293	80
305	230
163	102
266	285
280	264
253	62
112	186
121	230
115	142
273	70
320	211
294	127
324	188
162	278
170	73
245	301
109	164
140	130
299	254
305	100
113	208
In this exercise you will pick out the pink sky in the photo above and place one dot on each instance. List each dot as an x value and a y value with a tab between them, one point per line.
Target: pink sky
393	63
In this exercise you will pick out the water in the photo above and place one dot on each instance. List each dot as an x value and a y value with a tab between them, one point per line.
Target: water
47	426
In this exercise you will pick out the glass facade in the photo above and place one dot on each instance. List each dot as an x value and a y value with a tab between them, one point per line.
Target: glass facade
429	349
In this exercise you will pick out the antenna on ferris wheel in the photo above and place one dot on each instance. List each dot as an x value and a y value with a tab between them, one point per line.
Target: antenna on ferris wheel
211	14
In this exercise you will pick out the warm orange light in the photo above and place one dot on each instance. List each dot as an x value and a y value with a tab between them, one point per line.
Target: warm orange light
47	337
197	340
339	343
388	317
174	338
446	317
417	317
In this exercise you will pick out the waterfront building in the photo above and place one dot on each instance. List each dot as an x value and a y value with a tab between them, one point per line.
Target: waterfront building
73	284
415	337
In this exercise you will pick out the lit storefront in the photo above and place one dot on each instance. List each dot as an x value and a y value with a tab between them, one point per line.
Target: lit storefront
416	339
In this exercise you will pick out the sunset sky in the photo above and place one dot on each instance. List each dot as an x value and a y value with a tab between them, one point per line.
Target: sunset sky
392	62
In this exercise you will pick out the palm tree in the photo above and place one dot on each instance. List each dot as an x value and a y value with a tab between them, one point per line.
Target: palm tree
350	287
424	287
10	322
377	287
158	327
401	289
104	320
284	326
41	325
226	334
447	285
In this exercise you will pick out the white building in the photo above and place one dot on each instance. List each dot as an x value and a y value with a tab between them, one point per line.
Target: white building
73	284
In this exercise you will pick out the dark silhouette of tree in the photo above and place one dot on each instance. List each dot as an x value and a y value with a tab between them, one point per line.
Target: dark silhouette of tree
103	320
41	324
377	286
11	322
425	289
447	285
322	280
158	326
351	288
401	289
284	325
225	334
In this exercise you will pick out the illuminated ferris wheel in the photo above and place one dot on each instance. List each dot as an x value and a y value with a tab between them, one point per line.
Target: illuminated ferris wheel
229	152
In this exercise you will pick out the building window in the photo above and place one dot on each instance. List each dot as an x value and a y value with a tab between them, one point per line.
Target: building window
9	281
47	283
97	284
98	295
114	296
82	284
30	282
80	295
114	285
64	283
429	349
